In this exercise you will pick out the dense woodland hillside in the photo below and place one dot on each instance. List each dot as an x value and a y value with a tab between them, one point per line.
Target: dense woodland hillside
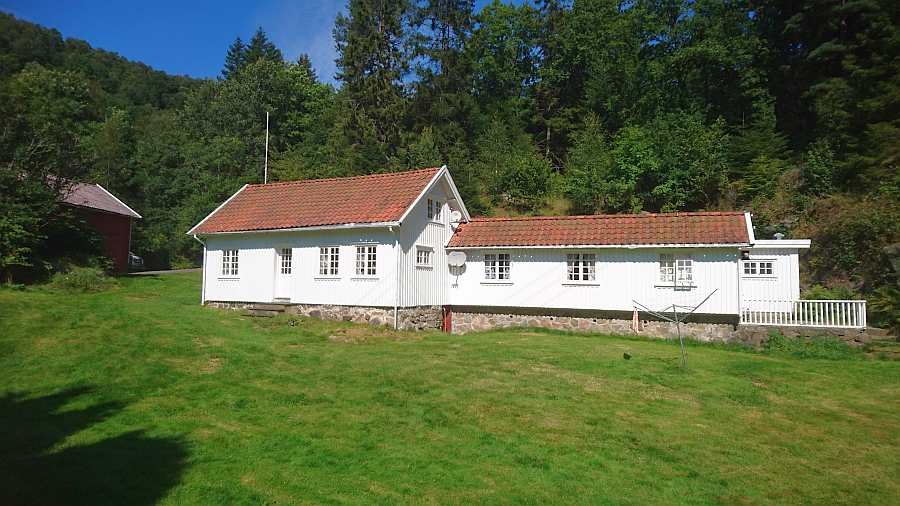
788	109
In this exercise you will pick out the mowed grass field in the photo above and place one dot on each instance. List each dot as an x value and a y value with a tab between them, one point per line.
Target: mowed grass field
139	395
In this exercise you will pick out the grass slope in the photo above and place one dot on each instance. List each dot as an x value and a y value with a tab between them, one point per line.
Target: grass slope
139	395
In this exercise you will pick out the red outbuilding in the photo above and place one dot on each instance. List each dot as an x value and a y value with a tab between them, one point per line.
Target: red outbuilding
109	216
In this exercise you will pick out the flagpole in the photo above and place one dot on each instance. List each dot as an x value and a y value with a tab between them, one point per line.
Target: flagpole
266	166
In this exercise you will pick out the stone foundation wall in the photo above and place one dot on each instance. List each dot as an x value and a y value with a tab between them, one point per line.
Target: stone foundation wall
709	332
429	317
473	322
409	318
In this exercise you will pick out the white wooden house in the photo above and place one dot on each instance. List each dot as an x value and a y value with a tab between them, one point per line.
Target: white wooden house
380	243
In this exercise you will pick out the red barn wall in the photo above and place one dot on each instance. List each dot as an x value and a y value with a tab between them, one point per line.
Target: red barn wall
116	232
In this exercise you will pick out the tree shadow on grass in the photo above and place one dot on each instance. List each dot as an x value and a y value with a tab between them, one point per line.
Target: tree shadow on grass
130	468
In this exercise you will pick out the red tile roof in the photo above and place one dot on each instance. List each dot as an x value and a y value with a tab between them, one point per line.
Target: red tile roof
95	196
374	198
604	230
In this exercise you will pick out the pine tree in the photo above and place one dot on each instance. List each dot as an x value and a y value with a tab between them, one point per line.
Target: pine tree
305	63
443	99
234	58
371	65
261	48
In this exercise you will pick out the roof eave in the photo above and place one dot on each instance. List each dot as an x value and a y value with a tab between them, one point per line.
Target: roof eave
606	246
126	206
342	226
208	216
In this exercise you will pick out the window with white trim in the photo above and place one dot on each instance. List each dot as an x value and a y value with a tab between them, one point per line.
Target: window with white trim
759	268
230	262
286	255
434	210
496	266
674	269
366	259
581	266
423	256
328	260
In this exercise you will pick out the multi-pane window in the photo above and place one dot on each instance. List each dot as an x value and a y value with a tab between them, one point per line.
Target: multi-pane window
496	266
581	266
684	270
286	255
434	210
230	262
759	268
675	270
423	256
365	260
328	260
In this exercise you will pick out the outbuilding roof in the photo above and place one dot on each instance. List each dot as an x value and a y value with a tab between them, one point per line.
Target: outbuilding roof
94	196
696	228
375	198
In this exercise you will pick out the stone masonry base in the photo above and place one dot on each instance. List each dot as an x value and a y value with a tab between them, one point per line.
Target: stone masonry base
464	322
429	317
409	318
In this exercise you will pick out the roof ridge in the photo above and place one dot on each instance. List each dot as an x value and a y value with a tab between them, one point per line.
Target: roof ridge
608	216
345	178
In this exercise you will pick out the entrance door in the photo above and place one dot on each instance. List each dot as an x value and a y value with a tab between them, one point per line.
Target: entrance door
284	259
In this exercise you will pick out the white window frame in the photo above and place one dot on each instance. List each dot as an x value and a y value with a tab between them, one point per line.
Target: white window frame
676	271
498	268
286	261
329	261
428	253
435	210
581	268
758	268
366	260
230	263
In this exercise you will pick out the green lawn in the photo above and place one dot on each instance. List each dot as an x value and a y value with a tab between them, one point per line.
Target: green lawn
139	395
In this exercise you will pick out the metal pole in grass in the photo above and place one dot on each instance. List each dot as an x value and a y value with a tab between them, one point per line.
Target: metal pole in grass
677	320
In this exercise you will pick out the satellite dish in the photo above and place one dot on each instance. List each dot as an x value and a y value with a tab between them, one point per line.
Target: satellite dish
456	259
455	216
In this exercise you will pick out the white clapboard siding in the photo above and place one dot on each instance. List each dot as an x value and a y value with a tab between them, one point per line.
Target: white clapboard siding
425	286
538	279
257	268
782	285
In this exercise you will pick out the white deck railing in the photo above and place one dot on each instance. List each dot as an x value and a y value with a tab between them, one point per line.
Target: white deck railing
805	313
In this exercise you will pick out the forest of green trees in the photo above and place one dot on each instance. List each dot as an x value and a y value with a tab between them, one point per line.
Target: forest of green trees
790	110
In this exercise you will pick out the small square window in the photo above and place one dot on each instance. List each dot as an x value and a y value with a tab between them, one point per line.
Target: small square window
759	268
676	270
423	256
581	267
496	266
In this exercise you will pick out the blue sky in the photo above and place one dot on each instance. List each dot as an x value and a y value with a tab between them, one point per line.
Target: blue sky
190	37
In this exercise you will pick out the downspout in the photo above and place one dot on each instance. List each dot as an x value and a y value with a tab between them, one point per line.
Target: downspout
396	276
202	272
740	297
